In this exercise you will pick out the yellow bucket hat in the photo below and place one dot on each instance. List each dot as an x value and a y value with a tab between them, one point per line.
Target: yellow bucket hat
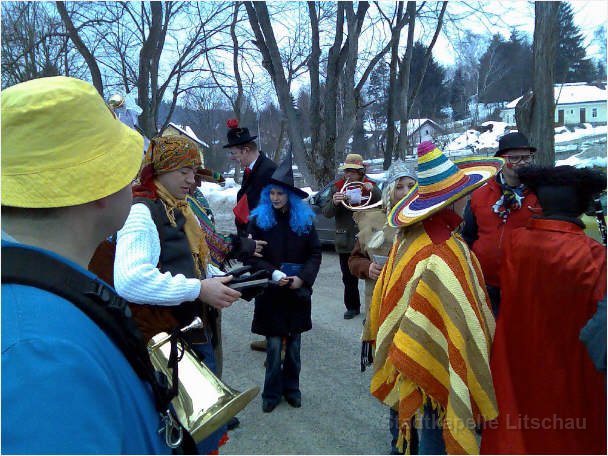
62	146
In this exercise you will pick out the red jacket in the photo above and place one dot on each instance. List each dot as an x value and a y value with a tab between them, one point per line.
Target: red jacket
551	399
491	231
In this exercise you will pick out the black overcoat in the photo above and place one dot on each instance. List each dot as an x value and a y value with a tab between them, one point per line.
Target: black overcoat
253	184
279	310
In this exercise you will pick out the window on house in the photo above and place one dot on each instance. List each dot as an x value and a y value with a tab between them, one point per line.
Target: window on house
572	111
594	112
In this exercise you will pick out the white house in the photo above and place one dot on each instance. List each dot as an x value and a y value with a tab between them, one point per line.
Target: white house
575	103
419	130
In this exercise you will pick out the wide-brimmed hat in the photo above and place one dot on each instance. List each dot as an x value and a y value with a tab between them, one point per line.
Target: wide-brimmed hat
237	136
62	145
353	161
511	141
283	176
440	182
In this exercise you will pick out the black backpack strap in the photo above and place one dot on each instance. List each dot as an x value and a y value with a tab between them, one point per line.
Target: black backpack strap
94	298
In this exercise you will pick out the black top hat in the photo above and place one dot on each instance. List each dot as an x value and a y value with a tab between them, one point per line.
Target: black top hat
510	141
563	190
283	176
237	136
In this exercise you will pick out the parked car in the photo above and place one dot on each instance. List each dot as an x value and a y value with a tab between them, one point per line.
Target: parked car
326	227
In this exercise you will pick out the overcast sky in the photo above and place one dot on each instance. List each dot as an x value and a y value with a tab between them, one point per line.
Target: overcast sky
588	15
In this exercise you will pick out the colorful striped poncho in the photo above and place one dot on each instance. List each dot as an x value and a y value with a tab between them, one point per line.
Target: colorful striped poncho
219	245
432	329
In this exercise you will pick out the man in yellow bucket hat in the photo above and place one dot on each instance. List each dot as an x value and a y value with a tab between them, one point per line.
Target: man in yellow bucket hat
67	386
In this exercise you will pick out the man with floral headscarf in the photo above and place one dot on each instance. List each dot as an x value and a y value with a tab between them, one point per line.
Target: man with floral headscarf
162	256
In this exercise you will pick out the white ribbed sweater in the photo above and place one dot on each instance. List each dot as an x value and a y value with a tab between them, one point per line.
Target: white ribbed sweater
136	277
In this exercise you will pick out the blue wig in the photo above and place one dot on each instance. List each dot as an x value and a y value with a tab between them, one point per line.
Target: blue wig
301	216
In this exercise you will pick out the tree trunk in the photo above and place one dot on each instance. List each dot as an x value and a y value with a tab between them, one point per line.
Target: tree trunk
146	58
542	132
271	61
82	48
404	82
392	90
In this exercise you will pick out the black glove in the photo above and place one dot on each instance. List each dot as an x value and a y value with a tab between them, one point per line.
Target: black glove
367	355
250	285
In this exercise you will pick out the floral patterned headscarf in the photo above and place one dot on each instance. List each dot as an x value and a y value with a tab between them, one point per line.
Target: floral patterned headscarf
170	153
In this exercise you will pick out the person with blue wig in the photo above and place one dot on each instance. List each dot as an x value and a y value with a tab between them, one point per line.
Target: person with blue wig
293	257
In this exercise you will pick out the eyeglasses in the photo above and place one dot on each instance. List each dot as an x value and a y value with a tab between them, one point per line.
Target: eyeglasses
514	159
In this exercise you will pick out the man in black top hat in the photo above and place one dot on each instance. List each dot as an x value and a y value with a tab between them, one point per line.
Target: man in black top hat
497	208
257	169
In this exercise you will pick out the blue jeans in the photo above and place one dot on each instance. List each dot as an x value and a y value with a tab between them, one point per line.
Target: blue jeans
211	443
282	379
430	432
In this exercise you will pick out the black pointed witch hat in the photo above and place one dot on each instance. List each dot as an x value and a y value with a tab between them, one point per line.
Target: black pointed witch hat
283	176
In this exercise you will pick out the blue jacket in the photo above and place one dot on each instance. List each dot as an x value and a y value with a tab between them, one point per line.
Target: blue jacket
66	388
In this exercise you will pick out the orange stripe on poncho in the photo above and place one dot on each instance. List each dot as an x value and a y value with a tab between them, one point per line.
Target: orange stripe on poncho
432	328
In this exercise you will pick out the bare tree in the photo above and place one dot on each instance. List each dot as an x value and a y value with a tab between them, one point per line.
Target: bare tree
130	39
89	58
535	112
34	44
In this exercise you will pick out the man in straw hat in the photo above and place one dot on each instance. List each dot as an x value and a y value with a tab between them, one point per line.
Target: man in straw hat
430	320
552	399
346	229
499	207
67	168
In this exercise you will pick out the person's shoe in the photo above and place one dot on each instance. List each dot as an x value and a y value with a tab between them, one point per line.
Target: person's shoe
350	314
233	423
294	402
259	345
268	407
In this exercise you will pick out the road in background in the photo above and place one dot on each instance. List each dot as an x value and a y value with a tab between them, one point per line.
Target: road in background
338	414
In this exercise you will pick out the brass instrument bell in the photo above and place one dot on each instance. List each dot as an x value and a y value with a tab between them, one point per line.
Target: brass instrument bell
203	403
116	101
365	199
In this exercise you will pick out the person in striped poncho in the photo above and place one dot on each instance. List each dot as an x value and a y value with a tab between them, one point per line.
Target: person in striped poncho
430	319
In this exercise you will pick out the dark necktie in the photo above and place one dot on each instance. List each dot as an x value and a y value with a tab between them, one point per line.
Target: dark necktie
247	171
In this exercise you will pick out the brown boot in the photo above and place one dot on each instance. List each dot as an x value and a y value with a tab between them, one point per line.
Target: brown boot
259	345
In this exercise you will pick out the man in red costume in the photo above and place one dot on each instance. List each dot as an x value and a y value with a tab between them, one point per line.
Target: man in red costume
497	208
551	398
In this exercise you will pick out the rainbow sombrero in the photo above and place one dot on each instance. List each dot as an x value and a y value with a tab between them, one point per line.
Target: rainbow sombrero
440	182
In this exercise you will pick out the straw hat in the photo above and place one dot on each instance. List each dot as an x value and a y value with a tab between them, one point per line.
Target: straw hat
440	182
353	161
62	146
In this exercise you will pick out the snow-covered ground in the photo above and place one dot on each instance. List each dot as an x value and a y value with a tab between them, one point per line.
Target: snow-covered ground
472	142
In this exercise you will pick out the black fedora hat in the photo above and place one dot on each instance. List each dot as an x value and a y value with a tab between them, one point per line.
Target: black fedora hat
283	176
237	136
511	141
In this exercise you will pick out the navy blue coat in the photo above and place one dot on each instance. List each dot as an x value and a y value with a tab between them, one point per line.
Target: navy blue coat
279	310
